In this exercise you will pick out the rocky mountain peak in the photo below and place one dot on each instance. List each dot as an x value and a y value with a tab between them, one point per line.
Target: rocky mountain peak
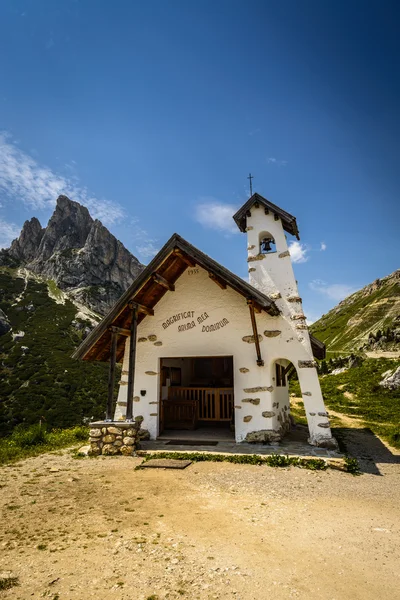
68	228
26	246
82	256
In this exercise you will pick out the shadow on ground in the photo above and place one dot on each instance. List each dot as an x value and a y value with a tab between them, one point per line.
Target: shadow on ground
366	447
362	444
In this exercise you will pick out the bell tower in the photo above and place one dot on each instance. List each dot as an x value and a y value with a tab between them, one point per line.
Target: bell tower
269	265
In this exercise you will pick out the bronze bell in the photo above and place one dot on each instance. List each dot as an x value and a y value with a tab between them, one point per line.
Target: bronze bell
266	245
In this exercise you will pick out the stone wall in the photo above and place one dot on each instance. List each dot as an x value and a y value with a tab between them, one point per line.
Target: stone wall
111	438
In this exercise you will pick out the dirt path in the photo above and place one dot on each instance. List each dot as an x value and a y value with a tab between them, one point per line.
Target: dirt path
96	528
384	354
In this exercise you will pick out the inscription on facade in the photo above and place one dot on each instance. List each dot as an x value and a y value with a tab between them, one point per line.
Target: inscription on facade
174	318
191	323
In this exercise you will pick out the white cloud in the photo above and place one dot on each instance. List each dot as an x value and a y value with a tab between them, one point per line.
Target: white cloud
8	232
298	252
278	163
38	186
146	246
323	246
216	215
335	291
147	251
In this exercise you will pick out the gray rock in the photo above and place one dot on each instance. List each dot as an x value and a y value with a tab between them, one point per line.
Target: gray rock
79	254
26	246
263	436
4	323
391	381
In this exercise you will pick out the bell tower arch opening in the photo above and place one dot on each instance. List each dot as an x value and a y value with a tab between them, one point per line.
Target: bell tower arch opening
266	243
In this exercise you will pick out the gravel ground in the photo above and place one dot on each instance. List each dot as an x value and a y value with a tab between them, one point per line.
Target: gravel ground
98	528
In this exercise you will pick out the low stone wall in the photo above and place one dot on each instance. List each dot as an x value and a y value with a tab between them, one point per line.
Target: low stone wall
117	437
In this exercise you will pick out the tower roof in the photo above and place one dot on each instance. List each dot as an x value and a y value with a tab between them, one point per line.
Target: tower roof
288	220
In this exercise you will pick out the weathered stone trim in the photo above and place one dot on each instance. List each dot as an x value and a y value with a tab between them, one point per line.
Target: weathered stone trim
151	373
249	228
250	339
254	390
124	373
272	333
254	401
256	257
247	418
123	382
325	425
312	414
307	364
244	370
136	398
301	326
158	343
236	406
270	388
252	269
322	414
275	295
298	317
294	299
251	247
152	337
142	339
122	403
154	414
116	438
284	254
264	435
268	414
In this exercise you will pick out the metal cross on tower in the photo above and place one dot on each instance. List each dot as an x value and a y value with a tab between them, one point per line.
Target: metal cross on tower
251	183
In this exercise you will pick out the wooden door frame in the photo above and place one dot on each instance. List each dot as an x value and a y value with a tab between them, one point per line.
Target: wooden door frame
160	404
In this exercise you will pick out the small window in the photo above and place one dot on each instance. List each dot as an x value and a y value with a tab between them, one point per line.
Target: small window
280	375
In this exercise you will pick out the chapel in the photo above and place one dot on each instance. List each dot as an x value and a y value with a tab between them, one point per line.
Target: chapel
202	349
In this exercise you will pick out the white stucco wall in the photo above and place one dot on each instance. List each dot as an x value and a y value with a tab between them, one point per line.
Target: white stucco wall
192	334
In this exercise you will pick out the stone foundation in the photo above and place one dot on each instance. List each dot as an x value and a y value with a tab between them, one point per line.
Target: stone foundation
116	437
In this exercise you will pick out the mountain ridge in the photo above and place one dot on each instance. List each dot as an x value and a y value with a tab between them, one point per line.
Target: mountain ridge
349	325
78	252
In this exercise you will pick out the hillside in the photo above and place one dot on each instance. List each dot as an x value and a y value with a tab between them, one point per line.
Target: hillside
38	379
78	253
374	308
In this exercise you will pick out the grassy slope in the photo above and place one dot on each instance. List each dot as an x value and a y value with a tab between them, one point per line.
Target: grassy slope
377	407
347	326
37	376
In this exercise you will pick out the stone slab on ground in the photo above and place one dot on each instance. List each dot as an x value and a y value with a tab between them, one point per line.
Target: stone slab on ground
165	463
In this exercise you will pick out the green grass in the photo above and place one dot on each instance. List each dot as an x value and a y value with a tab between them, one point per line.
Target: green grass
38	377
376	310
33	441
377	407
272	460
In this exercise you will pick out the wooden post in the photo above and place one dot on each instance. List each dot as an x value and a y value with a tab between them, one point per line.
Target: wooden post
111	376
260	361
131	366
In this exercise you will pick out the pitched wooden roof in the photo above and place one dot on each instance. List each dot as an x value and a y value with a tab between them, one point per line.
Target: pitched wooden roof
288	220
151	285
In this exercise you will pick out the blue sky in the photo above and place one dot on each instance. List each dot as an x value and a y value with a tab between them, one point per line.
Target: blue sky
153	113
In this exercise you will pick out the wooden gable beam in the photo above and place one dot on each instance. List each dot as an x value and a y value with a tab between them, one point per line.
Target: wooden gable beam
142	309
220	282
186	259
163	282
120	331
